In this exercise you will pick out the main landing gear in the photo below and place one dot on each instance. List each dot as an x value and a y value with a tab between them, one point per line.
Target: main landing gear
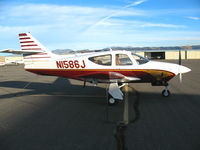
114	93
111	100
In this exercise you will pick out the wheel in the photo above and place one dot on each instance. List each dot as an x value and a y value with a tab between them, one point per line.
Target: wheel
165	93
111	100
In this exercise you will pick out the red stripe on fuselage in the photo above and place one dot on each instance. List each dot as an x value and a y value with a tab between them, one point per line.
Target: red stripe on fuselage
79	74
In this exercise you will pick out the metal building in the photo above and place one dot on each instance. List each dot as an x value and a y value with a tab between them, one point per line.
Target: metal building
170	54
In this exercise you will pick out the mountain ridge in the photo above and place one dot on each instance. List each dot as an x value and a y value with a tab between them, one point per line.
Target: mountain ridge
129	48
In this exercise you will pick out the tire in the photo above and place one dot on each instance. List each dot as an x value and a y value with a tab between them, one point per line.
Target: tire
111	100
166	93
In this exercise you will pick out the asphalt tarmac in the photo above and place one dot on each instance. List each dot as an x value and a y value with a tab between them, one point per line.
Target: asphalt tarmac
51	113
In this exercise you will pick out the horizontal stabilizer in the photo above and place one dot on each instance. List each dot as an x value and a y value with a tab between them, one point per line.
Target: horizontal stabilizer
21	52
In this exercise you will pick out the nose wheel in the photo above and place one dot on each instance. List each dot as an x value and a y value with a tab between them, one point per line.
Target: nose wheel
166	92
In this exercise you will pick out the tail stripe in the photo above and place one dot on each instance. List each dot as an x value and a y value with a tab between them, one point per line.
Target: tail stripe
24	38
28	42
29	45
22	34
31	49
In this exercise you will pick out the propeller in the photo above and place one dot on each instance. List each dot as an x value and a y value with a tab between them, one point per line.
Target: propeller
180	61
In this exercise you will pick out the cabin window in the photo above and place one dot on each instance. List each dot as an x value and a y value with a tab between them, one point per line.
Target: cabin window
122	60
139	59
105	60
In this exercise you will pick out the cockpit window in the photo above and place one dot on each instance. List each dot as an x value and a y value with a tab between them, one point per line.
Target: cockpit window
105	60
139	59
122	60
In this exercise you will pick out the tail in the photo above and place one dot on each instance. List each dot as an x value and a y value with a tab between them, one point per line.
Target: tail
29	43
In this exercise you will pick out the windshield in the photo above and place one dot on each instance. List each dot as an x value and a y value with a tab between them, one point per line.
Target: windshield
139	59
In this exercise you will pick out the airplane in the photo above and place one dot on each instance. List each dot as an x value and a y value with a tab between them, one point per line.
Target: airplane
117	68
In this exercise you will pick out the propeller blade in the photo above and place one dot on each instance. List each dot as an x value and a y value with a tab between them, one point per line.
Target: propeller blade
180	74
180	78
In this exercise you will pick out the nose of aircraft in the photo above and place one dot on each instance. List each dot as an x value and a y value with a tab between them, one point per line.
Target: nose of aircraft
183	69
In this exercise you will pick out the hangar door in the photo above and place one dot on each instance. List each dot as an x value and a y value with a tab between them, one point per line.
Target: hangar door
155	55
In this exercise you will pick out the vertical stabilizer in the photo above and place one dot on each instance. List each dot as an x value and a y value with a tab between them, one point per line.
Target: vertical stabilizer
28	42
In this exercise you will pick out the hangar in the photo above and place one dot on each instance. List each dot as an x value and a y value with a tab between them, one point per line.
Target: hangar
12	59
170	54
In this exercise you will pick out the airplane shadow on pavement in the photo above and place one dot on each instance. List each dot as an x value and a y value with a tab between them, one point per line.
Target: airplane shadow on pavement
61	86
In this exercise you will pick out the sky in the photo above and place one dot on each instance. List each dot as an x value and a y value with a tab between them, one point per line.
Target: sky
96	24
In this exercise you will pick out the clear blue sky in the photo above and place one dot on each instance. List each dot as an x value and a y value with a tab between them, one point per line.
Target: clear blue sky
95	24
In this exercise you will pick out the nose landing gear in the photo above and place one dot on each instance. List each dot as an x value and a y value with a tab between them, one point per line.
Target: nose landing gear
166	92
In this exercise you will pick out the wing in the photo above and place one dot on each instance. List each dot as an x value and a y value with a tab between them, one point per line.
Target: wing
105	75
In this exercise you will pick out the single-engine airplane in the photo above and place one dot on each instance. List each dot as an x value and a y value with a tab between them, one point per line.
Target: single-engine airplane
117	67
